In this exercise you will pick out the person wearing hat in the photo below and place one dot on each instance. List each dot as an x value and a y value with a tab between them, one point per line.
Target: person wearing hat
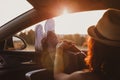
103	57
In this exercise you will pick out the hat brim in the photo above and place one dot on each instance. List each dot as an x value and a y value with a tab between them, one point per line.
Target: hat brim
94	35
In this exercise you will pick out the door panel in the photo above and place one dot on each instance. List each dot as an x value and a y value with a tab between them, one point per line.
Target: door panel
14	64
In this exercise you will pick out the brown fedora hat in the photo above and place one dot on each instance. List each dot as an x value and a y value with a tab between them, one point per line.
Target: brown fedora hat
107	30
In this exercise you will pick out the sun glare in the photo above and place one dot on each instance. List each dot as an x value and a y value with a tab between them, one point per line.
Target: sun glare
65	11
76	22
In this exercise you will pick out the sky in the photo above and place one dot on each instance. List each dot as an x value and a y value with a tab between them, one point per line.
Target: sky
10	9
64	24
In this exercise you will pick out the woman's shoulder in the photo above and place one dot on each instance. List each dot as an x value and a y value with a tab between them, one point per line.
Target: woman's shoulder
84	75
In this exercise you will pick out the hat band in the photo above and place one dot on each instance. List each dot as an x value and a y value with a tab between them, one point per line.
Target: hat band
102	37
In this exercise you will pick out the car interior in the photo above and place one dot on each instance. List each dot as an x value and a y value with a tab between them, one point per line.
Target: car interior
16	63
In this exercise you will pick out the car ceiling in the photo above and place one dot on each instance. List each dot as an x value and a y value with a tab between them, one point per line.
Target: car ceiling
45	9
74	5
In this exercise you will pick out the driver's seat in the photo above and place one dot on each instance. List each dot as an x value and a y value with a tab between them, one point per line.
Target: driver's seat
41	74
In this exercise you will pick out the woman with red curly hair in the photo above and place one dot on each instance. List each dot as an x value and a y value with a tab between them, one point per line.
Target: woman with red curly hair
103	57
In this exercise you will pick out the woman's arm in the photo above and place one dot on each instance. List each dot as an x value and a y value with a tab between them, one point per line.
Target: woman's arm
59	62
59	65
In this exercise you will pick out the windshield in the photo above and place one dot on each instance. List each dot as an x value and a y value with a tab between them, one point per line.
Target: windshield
9	9
76	23
71	27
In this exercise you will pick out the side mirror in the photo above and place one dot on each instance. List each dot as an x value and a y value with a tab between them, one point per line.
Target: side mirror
15	43
19	43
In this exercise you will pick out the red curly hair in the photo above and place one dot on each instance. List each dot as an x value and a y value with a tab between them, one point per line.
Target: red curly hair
103	59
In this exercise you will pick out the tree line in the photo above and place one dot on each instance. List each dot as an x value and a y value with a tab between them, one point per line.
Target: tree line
78	39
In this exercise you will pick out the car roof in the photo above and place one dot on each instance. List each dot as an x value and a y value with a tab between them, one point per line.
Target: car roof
45	9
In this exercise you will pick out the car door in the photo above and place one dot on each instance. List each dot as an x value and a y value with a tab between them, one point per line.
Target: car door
18	56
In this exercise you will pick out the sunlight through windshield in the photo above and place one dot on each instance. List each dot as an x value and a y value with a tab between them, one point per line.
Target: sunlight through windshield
76	22
71	27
